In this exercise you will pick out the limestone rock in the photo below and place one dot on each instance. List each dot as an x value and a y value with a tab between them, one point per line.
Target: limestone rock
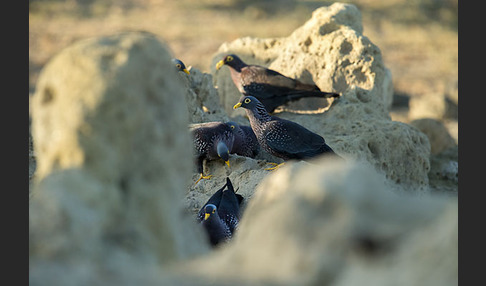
334	223
329	49
113	160
444	171
435	105
438	135
202	98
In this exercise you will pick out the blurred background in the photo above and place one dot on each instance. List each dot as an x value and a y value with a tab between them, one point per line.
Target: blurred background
418	38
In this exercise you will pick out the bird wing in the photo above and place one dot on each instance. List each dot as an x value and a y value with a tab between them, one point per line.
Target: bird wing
293	140
229	208
263	75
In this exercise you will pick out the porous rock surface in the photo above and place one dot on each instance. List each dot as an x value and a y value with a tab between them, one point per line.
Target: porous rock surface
331	50
202	98
337	223
109	117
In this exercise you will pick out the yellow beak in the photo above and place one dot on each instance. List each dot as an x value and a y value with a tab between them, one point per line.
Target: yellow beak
206	216
227	163
237	105
186	71
219	64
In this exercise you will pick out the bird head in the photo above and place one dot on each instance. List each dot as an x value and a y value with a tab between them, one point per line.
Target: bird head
223	152
209	210
234	126
231	60
180	66
248	102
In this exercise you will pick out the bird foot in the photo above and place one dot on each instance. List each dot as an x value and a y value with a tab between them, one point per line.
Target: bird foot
275	166
203	177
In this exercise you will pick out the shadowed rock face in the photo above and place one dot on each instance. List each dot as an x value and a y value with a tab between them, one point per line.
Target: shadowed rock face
331	50
337	223
109	127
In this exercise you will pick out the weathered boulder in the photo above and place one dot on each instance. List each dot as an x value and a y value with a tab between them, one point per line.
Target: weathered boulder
438	135
202	98
331	50
113	161
335	223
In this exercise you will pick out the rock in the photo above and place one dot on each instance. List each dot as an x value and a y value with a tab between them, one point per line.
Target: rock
438	135
444	171
434	105
113	160
202	98
334	223
245	174
331	50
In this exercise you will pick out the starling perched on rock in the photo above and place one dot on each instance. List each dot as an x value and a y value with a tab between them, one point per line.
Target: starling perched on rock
212	140
282	138
270	87
246	143
221	214
180	66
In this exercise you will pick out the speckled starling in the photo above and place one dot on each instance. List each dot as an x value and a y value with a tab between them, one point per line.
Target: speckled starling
212	140
179	65
270	87
246	143
221	214
282	138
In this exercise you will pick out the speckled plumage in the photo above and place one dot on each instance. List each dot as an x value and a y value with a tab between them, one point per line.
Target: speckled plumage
223	214
206	138
245	143
270	87
282	138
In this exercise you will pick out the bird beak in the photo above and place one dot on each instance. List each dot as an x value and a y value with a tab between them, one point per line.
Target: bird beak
237	105
227	163
219	64
206	216
186	71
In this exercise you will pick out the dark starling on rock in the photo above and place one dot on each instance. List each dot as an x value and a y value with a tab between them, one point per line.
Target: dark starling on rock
246	143
221	214
270	87
282	138
180	66
212	140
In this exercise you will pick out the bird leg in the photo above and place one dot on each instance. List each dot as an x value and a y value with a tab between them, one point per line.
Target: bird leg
275	166
203	177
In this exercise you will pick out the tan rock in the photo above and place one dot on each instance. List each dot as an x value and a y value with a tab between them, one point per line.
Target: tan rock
109	121
202	98
331	50
330	223
437	132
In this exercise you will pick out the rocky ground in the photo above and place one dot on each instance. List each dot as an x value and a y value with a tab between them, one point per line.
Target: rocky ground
113	194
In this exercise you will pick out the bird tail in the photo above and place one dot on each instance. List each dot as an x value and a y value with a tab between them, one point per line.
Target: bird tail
296	94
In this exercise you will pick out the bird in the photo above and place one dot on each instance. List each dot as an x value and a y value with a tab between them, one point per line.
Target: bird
272	88
280	137
212	140
180	66
221	214
245	143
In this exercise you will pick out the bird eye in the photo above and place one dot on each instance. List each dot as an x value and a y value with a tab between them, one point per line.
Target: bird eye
213	211
247	100
229	58
232	127
178	66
